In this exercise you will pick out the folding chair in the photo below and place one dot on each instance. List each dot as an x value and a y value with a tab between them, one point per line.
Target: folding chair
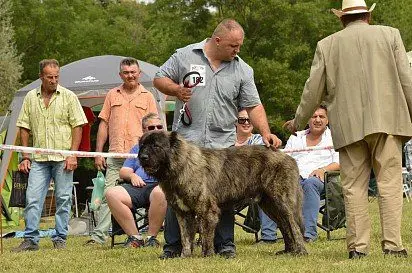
251	223
333	211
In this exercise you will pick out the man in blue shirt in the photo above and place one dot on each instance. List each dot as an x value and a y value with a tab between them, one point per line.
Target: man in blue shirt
142	191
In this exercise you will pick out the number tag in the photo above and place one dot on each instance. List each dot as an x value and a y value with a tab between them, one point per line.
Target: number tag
202	71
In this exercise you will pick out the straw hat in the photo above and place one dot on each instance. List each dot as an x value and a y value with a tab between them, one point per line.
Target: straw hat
353	7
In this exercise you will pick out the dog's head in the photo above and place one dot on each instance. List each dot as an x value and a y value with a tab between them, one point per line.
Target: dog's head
155	152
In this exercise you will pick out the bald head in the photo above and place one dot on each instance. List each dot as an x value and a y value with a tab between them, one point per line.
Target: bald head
227	26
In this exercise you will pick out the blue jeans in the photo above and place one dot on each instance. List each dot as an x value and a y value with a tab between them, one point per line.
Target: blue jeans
312	188
224	232
268	227
39	181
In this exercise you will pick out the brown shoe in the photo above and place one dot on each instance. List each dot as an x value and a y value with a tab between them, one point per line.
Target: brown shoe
353	255
401	253
26	245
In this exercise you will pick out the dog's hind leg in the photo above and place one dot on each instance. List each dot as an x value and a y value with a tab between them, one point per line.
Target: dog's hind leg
283	213
188	228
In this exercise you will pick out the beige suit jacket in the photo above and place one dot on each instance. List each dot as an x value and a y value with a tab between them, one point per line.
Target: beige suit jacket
363	75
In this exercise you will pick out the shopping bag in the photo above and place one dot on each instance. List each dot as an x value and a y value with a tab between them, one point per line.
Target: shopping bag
97	194
19	184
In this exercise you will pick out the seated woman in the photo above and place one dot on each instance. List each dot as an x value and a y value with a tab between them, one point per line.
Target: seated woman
142	191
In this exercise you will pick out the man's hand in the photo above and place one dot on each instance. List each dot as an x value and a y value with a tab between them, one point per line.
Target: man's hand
137	181
289	125
70	163
271	140
184	94
25	165
319	173
100	163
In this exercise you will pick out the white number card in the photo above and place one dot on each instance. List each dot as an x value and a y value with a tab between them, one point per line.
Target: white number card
202	71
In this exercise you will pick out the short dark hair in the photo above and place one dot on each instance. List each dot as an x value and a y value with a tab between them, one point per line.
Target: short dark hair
128	61
323	106
47	62
348	18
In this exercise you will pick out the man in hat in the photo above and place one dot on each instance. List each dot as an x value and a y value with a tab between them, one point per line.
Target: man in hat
362	73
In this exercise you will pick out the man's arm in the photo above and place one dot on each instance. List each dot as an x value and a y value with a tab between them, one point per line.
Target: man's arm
169	87
312	94
102	134
320	173
25	163
128	174
259	120
71	161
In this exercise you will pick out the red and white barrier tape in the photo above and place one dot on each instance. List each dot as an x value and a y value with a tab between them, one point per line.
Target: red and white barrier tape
66	153
308	149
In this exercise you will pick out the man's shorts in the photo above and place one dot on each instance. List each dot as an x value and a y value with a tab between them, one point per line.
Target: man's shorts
140	196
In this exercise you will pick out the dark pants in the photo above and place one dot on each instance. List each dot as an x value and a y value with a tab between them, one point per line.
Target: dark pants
224	233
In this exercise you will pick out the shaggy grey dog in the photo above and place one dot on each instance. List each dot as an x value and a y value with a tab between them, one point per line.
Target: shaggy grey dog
199	182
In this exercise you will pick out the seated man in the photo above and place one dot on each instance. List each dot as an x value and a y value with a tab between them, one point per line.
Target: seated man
312	167
142	191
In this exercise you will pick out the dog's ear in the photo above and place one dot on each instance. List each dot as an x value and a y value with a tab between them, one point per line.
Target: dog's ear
142	138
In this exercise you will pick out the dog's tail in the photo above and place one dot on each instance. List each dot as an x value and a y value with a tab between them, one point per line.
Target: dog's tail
298	210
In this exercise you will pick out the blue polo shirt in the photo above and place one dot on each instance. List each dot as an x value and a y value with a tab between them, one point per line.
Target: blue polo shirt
134	164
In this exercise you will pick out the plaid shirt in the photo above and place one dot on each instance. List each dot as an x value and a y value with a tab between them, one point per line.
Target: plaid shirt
51	126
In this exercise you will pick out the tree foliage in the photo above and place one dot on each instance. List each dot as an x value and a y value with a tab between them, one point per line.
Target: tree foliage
10	67
281	35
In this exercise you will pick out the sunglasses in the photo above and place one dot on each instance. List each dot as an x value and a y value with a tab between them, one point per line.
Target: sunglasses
241	120
152	127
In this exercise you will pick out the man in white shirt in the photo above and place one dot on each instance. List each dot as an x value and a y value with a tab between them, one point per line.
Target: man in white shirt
312	167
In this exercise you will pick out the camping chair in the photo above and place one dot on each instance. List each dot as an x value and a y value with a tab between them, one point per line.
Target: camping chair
333	211
141	218
251	222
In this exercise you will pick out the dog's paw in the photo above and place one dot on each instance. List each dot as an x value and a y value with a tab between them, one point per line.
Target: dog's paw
301	252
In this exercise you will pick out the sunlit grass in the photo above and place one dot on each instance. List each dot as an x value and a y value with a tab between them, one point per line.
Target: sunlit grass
324	256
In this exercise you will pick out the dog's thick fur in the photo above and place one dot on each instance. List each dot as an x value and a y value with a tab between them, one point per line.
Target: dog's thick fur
199	182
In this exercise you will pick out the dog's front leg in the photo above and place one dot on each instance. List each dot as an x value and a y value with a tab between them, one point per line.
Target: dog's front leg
208	223
187	224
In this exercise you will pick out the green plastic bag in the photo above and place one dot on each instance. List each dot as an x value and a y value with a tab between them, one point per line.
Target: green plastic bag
97	194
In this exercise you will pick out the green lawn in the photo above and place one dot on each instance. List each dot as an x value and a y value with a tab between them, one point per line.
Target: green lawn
324	256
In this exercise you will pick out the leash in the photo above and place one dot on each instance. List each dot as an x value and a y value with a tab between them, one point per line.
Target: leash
185	108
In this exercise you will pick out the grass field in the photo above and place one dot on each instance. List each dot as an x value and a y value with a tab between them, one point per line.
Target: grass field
324	256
